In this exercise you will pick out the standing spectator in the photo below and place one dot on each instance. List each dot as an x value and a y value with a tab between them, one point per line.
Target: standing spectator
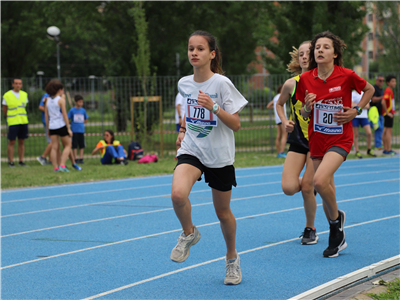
14	103
361	121
179	113
58	125
388	113
42	159
78	117
377	101
281	135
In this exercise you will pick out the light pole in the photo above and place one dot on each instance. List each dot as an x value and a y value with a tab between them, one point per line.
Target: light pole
53	33
40	74
92	78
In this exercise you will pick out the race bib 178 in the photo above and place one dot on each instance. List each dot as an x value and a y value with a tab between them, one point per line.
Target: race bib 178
198	115
323	118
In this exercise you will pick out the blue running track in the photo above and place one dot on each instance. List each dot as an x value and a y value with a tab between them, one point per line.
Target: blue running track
113	239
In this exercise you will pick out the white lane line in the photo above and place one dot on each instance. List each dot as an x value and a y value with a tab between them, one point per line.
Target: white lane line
217	259
165	195
87	193
175	230
169	184
18	190
101	182
123	200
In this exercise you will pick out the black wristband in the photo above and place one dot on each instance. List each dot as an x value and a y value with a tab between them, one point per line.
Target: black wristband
183	127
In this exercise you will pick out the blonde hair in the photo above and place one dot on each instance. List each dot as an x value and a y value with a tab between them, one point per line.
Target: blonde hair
293	66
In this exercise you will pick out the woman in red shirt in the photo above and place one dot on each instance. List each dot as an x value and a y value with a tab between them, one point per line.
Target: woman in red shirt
325	91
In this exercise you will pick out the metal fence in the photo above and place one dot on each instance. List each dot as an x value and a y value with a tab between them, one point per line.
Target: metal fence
113	102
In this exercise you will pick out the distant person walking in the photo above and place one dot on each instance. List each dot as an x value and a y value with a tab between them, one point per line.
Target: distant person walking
14	110
377	102
361	121
281	134
388	114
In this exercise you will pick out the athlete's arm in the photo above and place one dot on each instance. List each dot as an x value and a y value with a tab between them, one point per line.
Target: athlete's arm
286	92
61	103
232	121
349	113
181	133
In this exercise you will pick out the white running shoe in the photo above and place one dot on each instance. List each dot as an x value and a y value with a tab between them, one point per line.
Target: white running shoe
181	251
233	272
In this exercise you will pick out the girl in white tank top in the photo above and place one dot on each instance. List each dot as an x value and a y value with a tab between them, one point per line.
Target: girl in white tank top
55	114
58	125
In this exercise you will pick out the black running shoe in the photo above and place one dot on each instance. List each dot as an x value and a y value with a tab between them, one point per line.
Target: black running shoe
11	164
337	242
22	164
310	236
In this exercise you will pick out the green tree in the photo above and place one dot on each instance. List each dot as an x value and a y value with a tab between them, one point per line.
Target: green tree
297	21
389	35
22	46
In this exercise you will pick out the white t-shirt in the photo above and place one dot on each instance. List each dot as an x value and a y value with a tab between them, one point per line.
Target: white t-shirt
277	119
356	97
179	100
214	143
16	95
56	119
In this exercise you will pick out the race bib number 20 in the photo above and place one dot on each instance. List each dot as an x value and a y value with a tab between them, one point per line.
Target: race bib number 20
198	115
323	118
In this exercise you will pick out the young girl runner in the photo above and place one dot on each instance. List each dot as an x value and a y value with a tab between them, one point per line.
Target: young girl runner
299	153
325	91
207	145
58	126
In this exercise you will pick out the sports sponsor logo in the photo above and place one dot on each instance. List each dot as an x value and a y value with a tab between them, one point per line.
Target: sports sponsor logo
187	95
191	101
328	130
335	89
213	96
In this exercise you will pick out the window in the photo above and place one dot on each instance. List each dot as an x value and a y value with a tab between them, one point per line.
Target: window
370	54
370	17
370	36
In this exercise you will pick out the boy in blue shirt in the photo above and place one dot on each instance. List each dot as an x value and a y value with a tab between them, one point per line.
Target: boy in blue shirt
78	117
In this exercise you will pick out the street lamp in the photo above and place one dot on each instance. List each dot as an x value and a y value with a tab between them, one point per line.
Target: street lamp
53	33
92	78
40	74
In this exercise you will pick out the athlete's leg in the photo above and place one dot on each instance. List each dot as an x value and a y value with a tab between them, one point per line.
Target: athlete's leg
294	164
278	138
307	190
184	178
368	132
66	141
283	138
55	144
324	171
355	134
227	220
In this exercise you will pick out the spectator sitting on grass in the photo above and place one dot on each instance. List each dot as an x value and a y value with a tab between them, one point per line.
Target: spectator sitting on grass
111	149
